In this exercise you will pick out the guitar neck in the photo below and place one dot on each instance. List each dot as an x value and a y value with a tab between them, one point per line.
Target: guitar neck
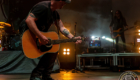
125	30
63	41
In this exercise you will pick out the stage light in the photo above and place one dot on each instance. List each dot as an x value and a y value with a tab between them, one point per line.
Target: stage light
64	53
138	30
111	40
68	49
139	34
103	37
68	53
138	39
93	37
64	50
139	48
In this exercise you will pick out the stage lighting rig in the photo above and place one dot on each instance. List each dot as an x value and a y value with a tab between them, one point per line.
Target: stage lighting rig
95	38
66	51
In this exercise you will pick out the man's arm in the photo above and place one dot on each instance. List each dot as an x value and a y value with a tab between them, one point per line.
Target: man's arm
63	30
30	21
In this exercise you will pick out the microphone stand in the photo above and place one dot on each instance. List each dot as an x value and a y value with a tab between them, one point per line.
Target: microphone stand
75	70
112	33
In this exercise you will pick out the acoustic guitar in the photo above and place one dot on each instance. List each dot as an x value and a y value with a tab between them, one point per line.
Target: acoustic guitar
33	48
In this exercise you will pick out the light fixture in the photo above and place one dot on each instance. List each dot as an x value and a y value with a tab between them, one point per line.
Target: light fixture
64	53
103	37
68	53
64	50
138	39
68	49
93	37
111	40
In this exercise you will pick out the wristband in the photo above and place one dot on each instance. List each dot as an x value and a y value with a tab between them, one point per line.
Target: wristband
72	37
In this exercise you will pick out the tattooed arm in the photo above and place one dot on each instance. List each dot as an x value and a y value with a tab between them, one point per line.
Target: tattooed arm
30	21
63	30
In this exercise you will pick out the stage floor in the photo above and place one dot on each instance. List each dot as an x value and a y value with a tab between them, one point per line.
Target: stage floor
68	75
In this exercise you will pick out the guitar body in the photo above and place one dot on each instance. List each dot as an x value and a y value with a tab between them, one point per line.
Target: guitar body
30	47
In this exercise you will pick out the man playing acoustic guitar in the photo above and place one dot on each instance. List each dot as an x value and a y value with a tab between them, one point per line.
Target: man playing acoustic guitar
118	22
40	18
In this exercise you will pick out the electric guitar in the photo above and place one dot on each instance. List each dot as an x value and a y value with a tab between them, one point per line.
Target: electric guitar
33	48
117	32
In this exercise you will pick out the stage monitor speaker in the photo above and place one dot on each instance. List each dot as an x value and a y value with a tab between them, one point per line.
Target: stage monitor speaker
95	50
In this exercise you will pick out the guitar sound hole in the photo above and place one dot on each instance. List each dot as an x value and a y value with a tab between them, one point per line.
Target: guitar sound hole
46	47
49	43
43	48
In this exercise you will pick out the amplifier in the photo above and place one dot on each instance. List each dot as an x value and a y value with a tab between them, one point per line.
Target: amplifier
95	50
94	43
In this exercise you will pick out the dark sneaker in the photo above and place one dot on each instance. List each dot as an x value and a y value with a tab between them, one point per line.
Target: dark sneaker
35	78
47	78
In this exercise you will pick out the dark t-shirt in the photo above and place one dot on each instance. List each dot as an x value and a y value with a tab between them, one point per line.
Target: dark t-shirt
118	23
45	16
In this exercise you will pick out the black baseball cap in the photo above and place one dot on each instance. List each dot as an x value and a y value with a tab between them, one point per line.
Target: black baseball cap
67	1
